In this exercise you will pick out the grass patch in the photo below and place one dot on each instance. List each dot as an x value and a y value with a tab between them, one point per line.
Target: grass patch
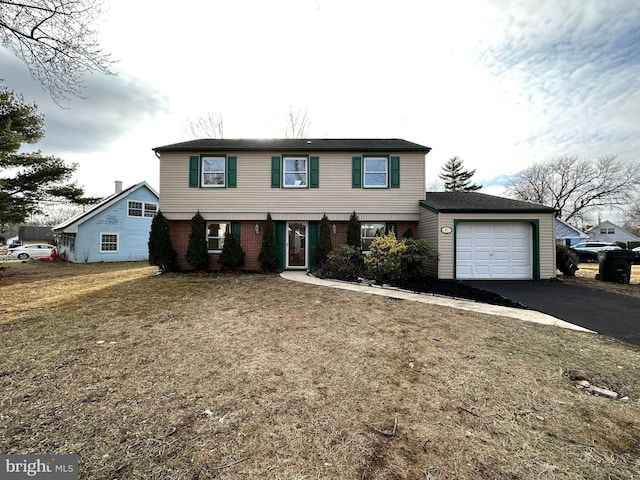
253	376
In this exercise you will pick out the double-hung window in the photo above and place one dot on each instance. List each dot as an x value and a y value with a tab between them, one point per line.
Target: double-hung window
215	235
370	230
376	172
213	171
295	172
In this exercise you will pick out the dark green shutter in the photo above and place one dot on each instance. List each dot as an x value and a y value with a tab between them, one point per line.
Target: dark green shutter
314	171
194	171
235	229
395	172
231	172
275	172
280	243
314	232
356	172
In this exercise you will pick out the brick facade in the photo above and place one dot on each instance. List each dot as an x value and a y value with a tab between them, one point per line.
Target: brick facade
251	242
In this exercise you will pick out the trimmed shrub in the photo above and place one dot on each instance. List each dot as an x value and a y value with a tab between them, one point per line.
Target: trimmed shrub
197	255
161	252
232	255
384	260
268	256
343	263
324	246
417	252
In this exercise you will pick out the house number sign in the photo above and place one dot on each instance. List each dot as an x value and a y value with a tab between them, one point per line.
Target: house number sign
446	230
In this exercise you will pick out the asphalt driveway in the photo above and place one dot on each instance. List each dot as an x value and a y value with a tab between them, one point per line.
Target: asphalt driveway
603	312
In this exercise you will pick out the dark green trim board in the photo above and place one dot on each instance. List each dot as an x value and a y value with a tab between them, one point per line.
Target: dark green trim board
275	172
313	234
535	233
281	244
314	172
236	228
194	171
232	171
394	171
356	172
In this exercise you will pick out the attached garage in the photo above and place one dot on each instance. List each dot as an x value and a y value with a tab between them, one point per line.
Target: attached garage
481	236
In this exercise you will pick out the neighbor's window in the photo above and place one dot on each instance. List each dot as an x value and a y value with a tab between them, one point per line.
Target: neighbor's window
368	232
141	209
375	172
215	235
213	171
295	172
607	231
108	242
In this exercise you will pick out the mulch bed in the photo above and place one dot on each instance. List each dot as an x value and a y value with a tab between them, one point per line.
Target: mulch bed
455	289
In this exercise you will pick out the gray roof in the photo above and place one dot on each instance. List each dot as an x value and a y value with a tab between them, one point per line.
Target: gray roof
295	145
28	232
474	202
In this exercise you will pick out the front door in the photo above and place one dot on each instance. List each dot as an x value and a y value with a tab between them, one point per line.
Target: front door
297	245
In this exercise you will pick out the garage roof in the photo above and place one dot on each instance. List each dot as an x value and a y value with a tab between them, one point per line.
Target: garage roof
474	202
296	145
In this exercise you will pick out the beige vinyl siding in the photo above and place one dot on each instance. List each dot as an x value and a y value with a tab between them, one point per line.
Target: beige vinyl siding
547	248
255	196
428	229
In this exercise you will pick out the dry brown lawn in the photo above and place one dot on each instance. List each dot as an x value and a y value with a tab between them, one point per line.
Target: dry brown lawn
252	376
586	276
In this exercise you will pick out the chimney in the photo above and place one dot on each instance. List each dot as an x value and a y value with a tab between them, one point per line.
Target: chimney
118	186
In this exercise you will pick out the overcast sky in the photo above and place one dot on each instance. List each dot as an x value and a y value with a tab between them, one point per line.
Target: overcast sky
501	84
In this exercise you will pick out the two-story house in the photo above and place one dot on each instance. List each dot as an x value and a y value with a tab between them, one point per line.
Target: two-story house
235	183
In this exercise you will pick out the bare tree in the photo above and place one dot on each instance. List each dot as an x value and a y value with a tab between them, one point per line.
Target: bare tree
57	41
575	186
298	123
207	126
631	218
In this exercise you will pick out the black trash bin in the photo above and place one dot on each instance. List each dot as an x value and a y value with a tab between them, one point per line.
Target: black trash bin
615	266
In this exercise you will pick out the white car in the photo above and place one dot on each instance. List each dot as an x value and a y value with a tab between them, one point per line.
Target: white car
37	250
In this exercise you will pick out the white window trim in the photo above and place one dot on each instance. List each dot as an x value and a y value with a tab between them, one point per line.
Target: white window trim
144	209
364	172
284	171
117	235
224	172
217	222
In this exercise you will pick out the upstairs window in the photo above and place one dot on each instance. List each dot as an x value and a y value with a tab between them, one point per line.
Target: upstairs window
213	171
295	172
376	172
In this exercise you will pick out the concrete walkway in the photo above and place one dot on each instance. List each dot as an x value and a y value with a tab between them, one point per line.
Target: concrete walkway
520	314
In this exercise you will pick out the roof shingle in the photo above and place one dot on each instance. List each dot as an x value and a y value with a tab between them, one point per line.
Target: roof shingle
295	145
474	202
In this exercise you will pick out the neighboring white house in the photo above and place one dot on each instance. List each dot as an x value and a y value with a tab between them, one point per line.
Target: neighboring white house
568	234
610	232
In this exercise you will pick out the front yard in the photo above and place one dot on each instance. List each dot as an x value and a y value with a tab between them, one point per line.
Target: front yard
253	376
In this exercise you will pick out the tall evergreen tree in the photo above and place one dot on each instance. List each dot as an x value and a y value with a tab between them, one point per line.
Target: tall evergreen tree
455	178
353	231
27	179
161	252
268	256
197	255
324	245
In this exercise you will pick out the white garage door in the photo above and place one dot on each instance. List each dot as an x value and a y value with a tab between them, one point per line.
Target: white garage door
500	250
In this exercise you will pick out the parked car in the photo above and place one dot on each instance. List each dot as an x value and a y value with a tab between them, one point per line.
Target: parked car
588	251
37	250
636	255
